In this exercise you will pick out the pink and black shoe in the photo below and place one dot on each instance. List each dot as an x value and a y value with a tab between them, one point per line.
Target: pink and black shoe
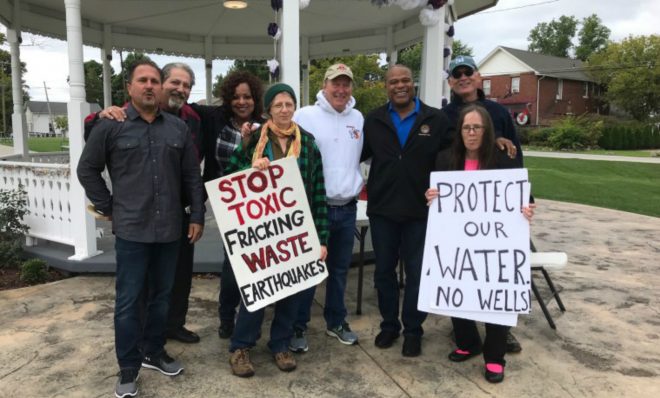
459	355
494	373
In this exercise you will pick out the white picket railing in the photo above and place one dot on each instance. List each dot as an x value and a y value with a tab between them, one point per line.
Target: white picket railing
47	187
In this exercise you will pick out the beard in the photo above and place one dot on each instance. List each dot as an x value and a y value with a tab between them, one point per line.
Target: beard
175	101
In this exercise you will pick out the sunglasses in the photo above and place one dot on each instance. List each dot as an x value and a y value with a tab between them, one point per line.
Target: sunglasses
458	73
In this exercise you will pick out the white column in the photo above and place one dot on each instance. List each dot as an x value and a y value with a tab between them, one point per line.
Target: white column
106	56
82	222
446	91
208	68
19	125
290	45
304	57
431	76
391	51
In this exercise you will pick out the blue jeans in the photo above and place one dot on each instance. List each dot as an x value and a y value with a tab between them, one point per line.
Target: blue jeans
229	297
139	263
341	226
392	239
248	326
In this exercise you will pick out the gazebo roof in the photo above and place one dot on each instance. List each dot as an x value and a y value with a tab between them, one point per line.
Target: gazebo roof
177	27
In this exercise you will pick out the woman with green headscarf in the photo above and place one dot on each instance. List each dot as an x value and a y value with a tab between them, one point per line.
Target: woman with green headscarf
279	137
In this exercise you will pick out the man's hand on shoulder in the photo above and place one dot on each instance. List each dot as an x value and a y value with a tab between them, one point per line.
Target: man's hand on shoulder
113	113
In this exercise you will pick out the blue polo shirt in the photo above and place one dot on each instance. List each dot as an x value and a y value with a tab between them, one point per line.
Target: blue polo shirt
404	126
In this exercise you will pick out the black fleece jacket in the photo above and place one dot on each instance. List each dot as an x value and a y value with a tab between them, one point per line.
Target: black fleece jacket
399	176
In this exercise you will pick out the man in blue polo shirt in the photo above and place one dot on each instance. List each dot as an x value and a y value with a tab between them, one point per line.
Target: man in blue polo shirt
402	138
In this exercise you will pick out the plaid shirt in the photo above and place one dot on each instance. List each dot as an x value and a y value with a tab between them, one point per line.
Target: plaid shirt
311	169
228	140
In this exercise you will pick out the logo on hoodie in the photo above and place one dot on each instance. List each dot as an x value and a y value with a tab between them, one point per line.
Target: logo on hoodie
353	132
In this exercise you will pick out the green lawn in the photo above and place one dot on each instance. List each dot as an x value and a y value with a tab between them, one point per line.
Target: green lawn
41	144
633	187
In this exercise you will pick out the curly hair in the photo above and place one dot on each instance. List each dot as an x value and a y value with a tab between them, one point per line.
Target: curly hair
232	81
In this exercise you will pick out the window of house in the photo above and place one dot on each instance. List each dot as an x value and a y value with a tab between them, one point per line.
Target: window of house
586	90
560	89
515	84
486	87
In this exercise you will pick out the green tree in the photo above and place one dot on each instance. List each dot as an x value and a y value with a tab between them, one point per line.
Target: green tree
554	37
259	68
6	87
62	123
119	95
368	86
412	56
630	72
219	78
94	82
458	48
593	37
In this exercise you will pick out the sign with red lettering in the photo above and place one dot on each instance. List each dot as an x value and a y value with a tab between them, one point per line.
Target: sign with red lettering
268	232
476	252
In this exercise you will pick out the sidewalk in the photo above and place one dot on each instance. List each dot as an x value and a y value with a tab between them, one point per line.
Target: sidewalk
57	340
611	158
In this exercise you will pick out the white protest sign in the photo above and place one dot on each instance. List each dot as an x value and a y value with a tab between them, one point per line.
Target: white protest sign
268	232
476	252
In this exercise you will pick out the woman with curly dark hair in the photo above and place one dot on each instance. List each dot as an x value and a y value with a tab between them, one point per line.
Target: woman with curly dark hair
242	102
242	94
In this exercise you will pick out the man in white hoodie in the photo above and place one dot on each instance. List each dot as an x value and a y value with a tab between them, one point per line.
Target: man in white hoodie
337	129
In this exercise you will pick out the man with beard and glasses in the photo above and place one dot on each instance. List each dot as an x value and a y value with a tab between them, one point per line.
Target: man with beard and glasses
402	138
178	80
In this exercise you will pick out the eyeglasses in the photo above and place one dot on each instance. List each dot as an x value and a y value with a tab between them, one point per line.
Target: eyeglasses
458	73
477	128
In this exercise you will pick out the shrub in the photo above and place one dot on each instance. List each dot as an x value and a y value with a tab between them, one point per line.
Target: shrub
539	136
575	133
13	207
33	271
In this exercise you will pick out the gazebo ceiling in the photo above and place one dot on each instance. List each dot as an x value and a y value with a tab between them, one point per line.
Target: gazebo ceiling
181	27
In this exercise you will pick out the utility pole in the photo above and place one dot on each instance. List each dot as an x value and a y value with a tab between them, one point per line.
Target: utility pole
4	111
50	114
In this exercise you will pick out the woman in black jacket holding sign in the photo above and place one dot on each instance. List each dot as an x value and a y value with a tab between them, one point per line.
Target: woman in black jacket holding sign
474	148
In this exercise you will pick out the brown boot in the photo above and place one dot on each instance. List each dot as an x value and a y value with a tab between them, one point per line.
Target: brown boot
285	361
240	363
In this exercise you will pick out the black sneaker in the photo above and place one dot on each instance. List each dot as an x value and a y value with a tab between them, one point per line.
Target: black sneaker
164	364
127	383
512	344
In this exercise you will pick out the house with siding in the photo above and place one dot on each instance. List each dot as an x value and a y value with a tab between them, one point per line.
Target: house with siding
40	114
537	88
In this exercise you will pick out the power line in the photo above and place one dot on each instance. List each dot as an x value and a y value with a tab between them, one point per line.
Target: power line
519	7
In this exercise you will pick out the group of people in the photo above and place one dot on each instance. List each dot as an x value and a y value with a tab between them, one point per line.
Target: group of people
153	146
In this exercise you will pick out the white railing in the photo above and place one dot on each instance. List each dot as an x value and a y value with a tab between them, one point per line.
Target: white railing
47	187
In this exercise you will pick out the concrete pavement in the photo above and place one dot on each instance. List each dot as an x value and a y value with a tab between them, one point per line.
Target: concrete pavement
584	156
56	340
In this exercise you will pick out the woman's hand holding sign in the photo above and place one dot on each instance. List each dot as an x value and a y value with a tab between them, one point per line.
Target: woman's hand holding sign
261	163
431	194
324	253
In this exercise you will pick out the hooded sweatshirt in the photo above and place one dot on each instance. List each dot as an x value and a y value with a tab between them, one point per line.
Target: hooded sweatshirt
339	138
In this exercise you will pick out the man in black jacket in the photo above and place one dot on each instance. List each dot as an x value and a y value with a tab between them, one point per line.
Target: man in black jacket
402	138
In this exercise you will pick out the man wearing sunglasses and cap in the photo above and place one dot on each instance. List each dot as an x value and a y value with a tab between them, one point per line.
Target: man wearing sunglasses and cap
465	84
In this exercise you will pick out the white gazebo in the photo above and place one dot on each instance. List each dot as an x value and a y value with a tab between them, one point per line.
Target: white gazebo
205	29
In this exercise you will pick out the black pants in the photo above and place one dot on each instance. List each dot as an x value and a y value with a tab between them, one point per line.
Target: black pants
229	297
182	282
468	339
